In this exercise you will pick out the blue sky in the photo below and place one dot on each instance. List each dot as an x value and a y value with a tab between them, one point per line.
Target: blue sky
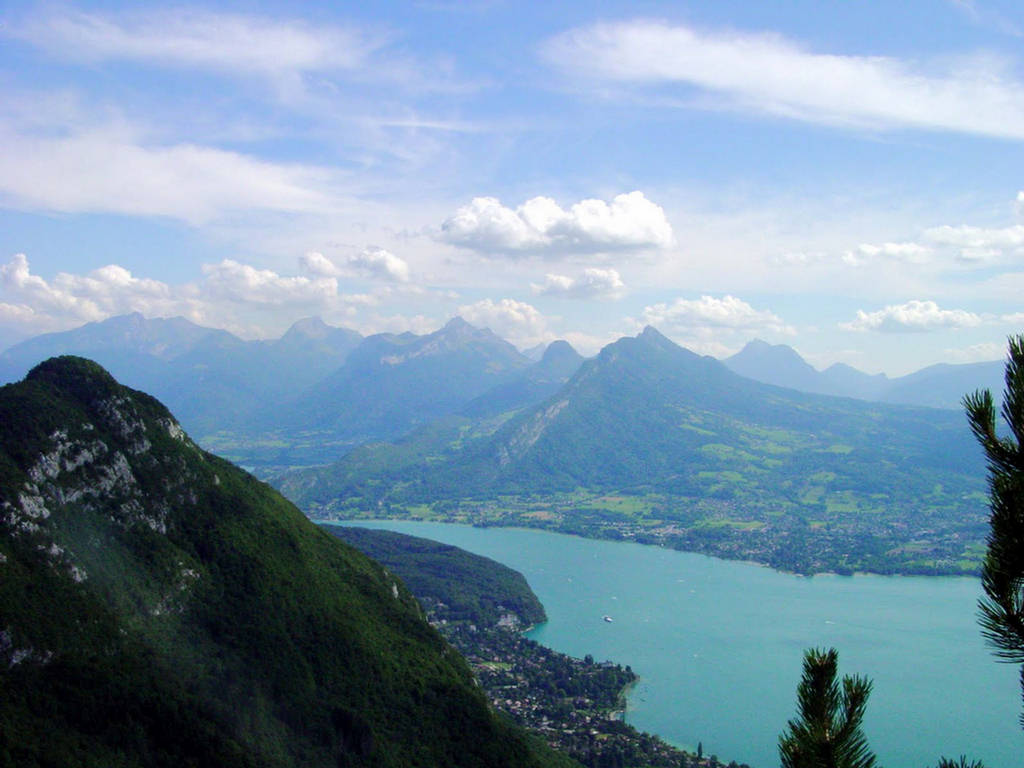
841	177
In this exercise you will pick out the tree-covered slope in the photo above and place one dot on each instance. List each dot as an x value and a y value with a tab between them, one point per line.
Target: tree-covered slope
473	587
158	606
648	414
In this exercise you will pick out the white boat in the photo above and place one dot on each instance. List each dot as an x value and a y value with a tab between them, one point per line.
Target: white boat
608	618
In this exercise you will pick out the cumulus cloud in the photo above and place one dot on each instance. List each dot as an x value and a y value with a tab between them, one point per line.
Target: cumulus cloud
914	316
593	283
105	291
317	264
629	222
381	264
767	73
376	263
195	38
246	284
708	313
230	294
518	322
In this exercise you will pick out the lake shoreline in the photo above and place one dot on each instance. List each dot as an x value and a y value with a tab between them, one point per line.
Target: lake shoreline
717	645
519	525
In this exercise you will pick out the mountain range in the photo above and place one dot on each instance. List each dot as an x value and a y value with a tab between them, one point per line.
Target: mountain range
311	395
939	386
693	442
159	606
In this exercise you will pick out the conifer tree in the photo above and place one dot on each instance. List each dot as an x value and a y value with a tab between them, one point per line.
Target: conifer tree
1002	608
827	732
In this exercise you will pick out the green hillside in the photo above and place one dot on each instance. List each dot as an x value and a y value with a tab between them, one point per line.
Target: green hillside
473	587
160	607
653	442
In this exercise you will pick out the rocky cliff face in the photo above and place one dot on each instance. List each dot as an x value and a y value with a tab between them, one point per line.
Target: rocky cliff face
159	606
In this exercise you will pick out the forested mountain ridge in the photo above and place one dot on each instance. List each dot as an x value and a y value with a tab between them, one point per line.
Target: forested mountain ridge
158	606
472	587
711	460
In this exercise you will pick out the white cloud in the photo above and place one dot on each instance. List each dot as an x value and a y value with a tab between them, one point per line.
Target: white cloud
232	295
1018	203
108	171
72	298
593	283
914	316
200	39
708	314
912	253
540	225
317	264
767	73
518	322
245	284
376	263
978	244
381	264
17	314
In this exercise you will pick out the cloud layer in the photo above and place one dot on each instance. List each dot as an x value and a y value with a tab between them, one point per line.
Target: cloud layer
629	222
769	74
108	171
194	38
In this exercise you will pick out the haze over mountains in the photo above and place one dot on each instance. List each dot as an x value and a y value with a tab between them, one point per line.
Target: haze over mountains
939	386
314	393
701	452
646	413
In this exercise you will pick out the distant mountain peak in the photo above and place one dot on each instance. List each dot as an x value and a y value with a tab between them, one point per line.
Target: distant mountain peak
457	323
763	348
457	332
309	327
652	337
559	350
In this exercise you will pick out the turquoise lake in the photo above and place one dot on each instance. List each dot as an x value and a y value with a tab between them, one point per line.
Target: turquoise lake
718	644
